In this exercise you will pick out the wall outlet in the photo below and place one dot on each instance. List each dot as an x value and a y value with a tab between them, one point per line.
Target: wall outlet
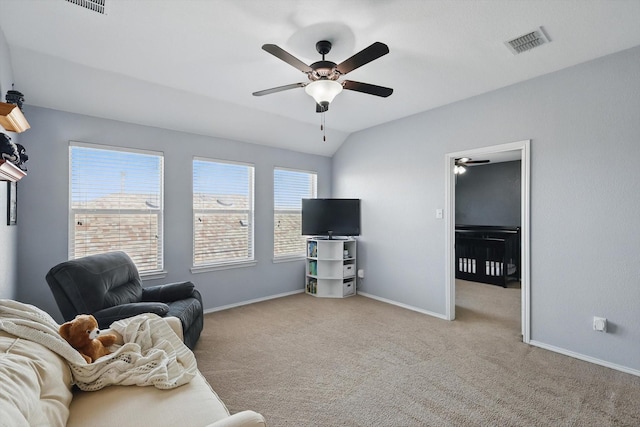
599	324
361	273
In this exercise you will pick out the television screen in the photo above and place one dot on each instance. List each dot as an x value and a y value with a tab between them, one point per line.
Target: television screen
330	217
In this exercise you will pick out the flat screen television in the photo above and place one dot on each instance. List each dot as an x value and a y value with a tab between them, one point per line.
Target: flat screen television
331	217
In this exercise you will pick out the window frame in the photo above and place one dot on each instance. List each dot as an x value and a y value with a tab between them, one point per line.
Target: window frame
159	272
224	264
302	254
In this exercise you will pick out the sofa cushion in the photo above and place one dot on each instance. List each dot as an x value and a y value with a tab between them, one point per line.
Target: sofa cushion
36	384
193	404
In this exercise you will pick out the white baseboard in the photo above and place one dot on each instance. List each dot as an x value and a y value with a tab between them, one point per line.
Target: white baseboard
252	301
399	304
589	359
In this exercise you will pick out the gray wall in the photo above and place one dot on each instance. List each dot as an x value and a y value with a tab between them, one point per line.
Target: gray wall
8	235
43	205
489	195
583	123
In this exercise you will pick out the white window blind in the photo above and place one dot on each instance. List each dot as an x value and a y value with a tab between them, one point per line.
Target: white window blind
116	203
222	212
289	188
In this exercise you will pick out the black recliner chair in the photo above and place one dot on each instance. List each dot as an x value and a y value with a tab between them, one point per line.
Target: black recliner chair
108	286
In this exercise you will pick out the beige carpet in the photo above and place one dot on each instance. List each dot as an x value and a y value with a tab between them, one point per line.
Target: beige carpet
305	361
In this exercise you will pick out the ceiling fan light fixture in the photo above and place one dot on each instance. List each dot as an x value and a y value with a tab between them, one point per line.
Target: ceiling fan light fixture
323	91
459	170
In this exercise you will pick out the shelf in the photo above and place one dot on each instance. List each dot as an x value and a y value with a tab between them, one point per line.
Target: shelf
12	119
10	172
329	274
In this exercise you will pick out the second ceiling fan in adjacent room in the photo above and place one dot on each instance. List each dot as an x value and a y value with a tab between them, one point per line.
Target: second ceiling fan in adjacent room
461	164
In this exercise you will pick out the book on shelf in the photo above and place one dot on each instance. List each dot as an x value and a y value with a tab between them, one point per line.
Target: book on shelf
312	286
313	249
313	268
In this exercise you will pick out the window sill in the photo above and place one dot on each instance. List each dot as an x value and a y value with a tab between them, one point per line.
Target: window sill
291	258
153	275
225	266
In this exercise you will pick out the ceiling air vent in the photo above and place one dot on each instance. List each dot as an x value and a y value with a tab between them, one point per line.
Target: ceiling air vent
94	5
527	42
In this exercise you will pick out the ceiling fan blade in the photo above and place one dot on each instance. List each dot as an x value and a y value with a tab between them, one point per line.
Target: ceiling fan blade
471	162
367	88
365	56
286	57
278	89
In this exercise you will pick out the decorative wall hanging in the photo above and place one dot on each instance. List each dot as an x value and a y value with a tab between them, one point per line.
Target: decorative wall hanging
12	203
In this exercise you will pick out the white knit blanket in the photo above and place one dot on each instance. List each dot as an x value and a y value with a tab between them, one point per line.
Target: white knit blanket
152	354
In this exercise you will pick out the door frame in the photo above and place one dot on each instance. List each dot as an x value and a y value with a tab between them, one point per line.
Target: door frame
525	247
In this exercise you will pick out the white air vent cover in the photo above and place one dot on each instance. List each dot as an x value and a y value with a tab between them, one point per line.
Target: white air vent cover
527	42
94	5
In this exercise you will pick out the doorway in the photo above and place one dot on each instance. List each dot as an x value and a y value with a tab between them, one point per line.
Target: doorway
523	148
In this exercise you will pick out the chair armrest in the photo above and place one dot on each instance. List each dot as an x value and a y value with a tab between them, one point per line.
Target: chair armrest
107	316
241	419
169	292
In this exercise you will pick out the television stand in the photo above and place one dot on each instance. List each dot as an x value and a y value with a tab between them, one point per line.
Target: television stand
330	270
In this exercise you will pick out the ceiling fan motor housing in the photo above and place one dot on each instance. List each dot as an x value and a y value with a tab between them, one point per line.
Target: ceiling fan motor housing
324	70
323	47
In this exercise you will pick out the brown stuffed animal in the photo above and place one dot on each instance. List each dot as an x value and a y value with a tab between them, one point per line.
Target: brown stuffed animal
83	335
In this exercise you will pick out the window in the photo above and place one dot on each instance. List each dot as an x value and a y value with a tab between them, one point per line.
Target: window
289	188
116	203
222	213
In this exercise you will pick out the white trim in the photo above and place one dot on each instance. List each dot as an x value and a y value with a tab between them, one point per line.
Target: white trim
295	170
288	258
399	304
252	301
217	160
450	221
151	275
223	266
525	240
525	235
589	359
114	148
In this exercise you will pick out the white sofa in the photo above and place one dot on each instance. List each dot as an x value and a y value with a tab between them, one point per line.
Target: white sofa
36	390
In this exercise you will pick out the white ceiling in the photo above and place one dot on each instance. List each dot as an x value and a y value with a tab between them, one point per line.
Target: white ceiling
192	65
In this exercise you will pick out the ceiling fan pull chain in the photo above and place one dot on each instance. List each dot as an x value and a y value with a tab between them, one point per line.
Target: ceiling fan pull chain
323	127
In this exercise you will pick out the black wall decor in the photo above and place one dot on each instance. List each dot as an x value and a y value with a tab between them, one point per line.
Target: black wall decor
12	203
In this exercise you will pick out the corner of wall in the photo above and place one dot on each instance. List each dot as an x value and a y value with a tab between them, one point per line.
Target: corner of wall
8	234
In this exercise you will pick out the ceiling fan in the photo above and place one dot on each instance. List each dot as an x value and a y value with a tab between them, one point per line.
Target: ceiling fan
461	162
323	75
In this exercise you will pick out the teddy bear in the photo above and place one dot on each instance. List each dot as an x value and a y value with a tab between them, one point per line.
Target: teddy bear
83	335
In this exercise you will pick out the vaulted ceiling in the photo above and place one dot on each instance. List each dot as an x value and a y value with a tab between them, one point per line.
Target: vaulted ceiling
192	65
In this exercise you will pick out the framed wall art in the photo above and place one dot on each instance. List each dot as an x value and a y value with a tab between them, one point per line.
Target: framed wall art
12	203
